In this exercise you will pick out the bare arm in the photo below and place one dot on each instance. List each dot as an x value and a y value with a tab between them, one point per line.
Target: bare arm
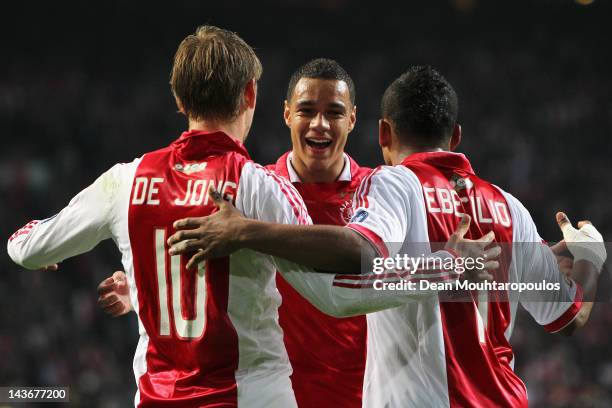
323	247
586	275
583	271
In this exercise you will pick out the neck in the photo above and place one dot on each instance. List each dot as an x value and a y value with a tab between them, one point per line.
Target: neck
402	152
234	129
328	175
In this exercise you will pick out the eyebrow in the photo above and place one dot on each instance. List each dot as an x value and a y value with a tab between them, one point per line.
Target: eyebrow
310	102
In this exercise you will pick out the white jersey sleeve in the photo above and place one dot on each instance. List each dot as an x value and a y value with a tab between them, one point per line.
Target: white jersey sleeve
265	196
74	230
382	208
344	295
553	309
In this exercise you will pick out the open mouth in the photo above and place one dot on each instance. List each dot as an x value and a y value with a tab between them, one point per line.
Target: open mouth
318	143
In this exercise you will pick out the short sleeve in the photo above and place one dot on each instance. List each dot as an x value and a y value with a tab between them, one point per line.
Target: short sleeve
381	208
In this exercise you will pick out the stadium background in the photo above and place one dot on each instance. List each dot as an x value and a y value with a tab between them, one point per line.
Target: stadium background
85	85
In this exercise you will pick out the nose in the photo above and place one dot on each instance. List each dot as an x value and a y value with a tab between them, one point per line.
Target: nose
320	123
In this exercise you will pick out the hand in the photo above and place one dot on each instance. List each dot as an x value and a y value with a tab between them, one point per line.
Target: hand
213	236
49	268
564	257
584	243
468	248
114	295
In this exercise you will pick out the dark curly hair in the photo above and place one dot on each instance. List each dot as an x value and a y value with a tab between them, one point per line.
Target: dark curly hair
422	107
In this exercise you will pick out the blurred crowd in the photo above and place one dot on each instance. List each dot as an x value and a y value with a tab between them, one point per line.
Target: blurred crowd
89	88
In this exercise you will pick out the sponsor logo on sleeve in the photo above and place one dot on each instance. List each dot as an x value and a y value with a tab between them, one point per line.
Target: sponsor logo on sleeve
360	216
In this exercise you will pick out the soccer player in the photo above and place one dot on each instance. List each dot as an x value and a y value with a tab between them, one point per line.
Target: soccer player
327	354
434	354
208	337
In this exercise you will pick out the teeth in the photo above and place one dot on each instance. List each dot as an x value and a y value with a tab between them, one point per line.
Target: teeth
318	144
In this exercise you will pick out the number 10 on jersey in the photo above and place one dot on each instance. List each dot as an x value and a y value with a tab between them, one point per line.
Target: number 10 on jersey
185	328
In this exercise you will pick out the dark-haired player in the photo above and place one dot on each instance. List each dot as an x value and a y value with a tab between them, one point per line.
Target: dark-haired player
327	354
434	354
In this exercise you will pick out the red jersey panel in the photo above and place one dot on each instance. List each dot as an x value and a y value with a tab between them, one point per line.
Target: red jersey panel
459	352
477	364
192	350
327	354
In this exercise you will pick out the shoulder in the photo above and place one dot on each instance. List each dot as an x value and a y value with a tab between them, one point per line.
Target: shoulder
392	177
525	229
516	207
117	176
265	179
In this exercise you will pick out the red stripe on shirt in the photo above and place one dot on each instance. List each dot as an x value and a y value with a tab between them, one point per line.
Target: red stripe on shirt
364	189
372	238
394	274
290	193
371	284
569	315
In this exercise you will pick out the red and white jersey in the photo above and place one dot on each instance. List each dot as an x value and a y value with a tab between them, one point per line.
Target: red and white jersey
208	338
327	354
443	354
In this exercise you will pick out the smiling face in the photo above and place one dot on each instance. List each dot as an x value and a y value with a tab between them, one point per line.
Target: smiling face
320	115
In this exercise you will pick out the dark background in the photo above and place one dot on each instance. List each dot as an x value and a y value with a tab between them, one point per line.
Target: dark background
85	85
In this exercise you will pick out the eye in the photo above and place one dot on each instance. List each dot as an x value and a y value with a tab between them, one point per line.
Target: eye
306	111
335	114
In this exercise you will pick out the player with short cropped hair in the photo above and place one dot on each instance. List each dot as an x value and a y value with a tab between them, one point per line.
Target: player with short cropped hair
434	353
327	354
209	337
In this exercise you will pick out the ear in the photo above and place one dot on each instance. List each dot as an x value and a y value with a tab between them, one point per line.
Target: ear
179	105
250	94
456	137
352	118
287	114
384	133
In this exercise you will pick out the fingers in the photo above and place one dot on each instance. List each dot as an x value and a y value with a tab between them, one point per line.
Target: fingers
463	227
182	236
106	286
559	248
201	256
563	221
50	268
184	246
486	239
215	196
583	223
106	301
484	275
188	223
492	253
116	310
119	277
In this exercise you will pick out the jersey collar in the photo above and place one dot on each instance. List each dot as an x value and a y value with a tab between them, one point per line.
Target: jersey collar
286	169
446	159
194	143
